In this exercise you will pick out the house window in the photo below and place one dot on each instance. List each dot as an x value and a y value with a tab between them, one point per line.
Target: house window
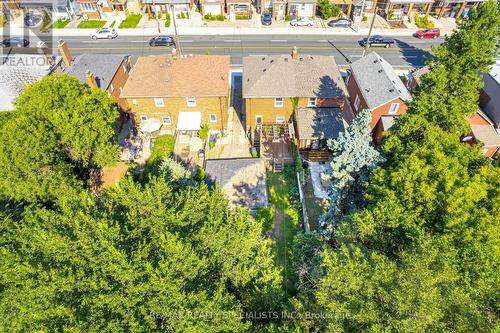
278	102
280	119
258	120
159	102
191	101
121	90
213	118
111	88
394	108
357	102
143	117
311	102
368	4
166	120
134	101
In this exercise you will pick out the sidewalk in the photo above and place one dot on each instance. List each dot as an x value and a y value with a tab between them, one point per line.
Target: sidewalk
233	31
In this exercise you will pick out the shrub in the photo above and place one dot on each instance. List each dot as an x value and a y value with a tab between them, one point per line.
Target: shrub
211	144
199	175
422	21
287	18
203	133
255	153
265	215
163	147
242	17
365	18
3	21
167	20
327	10
210	17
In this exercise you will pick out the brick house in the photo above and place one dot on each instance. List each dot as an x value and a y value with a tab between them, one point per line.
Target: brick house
483	132
373	84
108	72
272	84
181	93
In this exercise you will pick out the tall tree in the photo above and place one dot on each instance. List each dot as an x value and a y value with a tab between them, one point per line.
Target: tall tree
354	157
140	258
450	91
59	131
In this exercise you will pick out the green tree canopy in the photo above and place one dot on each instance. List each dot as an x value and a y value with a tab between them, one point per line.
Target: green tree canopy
59	131
140	258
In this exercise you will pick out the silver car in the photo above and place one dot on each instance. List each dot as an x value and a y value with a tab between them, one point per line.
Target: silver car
302	22
104	33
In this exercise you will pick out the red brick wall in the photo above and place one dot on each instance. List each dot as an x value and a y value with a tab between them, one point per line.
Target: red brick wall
383	110
118	82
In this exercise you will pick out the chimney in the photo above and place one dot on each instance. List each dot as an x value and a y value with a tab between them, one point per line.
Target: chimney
295	53
64	51
174	53
47	54
91	80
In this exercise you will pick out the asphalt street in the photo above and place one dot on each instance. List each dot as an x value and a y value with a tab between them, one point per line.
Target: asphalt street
408	51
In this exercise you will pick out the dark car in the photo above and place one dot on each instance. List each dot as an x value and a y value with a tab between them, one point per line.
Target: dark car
428	33
345	23
15	42
32	20
377	41
266	19
162	41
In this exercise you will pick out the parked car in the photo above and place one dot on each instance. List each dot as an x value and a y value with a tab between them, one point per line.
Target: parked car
32	19
266	18
345	23
302	22
104	33
15	42
162	41
377	41
428	33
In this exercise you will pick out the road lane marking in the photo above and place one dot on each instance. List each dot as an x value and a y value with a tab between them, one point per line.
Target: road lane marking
278	40
232	40
275	47
187	41
322	41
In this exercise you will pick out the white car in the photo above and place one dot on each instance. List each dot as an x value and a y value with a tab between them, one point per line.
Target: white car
302	22
104	33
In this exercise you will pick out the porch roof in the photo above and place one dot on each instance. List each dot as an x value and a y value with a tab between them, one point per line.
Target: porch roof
189	121
319	123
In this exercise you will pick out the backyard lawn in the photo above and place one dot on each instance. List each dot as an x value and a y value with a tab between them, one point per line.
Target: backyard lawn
283	197
59	24
131	21
91	24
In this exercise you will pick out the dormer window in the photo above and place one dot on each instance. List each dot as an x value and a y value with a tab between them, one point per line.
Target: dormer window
278	102
311	102
191	101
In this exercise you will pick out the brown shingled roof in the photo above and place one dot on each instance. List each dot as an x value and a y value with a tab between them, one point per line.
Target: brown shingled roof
162	76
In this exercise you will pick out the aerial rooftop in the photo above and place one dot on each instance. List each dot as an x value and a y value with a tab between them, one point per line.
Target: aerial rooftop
16	72
179	76
378	81
292	76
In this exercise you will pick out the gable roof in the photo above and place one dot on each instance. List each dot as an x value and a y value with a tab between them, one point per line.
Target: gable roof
18	71
377	81
319	123
193	75
103	66
283	76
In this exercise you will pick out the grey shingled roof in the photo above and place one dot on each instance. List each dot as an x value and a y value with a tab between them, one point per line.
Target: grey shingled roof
18	71
103	66
377	80
319	123
243	180
282	76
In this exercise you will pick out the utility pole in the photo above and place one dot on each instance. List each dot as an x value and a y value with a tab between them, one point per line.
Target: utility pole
369	33
177	41
156	16
361	15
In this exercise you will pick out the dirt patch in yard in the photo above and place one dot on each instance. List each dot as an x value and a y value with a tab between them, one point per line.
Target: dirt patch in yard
112	175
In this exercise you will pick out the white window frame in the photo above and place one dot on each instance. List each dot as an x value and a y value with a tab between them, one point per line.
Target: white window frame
159	102
191	101
121	90
143	117
357	103
394	108
311	102
280	119
111	87
168	122
278	102
134	101
213	118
